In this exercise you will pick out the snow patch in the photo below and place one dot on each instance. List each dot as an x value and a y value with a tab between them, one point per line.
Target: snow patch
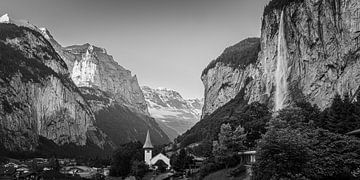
5	18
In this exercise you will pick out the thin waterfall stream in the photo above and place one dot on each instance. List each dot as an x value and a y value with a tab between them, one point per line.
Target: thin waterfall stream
281	90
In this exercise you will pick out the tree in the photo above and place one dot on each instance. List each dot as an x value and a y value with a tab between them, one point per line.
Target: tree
282	153
123	158
342	116
253	118
181	161
238	138
139	168
225	135
230	143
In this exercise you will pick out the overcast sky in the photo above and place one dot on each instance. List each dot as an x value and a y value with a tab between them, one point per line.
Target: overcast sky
166	43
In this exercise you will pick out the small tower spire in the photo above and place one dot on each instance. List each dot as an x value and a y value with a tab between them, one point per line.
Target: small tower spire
148	149
148	144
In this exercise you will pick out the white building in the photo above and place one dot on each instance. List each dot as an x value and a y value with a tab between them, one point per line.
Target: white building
149	160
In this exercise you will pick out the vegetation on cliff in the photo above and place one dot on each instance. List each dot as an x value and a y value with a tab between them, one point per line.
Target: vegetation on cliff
279	5
239	55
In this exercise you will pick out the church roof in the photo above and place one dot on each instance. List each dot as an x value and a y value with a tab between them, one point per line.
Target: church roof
148	144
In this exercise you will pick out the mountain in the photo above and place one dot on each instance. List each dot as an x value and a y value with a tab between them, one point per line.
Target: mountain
169	108
38	99
112	91
309	51
60	96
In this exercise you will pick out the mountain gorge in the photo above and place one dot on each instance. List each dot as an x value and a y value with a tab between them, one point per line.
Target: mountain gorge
171	110
308	51
69	95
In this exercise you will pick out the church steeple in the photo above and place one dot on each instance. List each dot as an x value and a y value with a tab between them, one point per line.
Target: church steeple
148	149
148	144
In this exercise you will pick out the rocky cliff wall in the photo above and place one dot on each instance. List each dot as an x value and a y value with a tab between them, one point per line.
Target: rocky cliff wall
37	96
322	56
224	77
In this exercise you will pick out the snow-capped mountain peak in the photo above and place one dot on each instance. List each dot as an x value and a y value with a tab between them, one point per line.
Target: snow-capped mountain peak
168	106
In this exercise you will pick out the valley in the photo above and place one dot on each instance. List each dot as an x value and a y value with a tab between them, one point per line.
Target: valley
283	105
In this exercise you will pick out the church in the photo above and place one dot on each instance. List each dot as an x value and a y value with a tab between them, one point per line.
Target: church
149	160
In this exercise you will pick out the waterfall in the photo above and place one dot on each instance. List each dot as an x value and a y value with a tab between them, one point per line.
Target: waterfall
281	68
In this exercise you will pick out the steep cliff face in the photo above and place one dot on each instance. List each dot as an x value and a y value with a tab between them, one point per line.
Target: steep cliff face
93	67
224	77
38	99
168	107
322	50
309	51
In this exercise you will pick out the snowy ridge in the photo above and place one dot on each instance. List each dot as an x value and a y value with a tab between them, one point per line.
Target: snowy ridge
169	107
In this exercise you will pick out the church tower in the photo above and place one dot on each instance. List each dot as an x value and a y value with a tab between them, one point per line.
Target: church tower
148	149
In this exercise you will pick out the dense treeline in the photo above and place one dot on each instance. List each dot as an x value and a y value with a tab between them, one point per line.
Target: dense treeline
238	56
304	143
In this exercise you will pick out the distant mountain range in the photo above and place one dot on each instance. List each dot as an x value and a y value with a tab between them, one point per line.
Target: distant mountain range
174	113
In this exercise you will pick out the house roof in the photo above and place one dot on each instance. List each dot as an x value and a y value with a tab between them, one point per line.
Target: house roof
148	144
160	155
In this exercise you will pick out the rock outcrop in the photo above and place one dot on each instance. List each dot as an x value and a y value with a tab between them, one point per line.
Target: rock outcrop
93	67
38	98
168	107
322	56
